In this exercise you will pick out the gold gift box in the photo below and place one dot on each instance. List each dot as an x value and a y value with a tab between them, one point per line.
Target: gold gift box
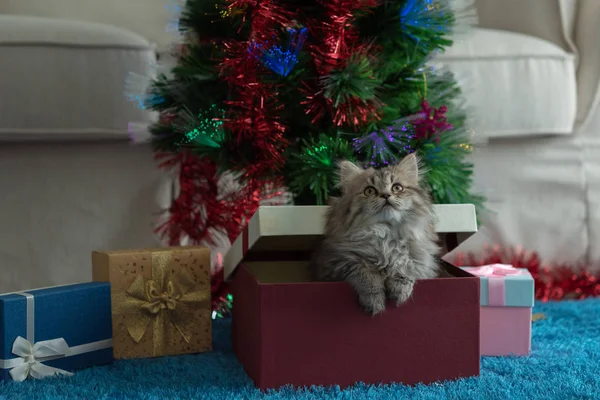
160	300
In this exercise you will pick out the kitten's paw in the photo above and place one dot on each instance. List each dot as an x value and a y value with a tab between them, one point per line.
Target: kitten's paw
372	304
400	290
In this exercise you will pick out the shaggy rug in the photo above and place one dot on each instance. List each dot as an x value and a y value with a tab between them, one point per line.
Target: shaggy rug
564	364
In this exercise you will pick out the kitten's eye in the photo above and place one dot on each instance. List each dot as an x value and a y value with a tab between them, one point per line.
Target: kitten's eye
370	191
397	188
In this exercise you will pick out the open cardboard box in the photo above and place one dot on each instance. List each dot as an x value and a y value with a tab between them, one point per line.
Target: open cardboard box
288	330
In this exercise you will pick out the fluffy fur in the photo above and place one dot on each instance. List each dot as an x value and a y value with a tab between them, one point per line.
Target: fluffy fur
379	234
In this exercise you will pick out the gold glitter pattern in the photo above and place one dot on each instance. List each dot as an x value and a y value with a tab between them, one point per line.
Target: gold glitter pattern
160	300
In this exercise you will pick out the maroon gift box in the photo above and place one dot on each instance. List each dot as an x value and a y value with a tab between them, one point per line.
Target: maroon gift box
288	330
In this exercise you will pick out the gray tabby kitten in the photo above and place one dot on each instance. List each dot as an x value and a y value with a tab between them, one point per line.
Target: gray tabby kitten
379	234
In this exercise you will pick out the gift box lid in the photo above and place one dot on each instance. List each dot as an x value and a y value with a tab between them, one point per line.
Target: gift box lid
290	232
506	290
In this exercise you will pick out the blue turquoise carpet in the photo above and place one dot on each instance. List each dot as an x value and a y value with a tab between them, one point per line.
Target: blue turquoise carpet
565	364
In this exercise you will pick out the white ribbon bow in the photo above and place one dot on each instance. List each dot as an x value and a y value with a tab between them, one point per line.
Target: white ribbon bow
32	356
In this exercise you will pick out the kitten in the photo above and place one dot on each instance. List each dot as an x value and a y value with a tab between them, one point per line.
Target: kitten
379	234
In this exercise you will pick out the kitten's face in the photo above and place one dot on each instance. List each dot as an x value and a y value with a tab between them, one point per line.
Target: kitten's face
385	194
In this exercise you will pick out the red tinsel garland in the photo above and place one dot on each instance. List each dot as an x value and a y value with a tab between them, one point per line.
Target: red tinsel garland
198	193
335	40
552	282
201	206
251	117
252	112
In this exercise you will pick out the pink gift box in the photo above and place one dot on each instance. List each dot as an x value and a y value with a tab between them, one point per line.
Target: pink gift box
506	298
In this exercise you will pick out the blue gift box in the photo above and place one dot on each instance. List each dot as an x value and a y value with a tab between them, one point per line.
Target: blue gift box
517	288
79	314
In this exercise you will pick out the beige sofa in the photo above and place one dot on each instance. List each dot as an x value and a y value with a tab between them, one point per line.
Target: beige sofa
532	77
70	182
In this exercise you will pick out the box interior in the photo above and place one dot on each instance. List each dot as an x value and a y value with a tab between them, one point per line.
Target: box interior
270	272
291	247
285	259
279	271
285	243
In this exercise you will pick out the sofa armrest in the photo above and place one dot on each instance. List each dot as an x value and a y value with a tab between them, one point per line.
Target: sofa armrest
551	20
587	32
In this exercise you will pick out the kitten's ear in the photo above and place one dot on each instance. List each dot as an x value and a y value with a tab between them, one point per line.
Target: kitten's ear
409	168
348	171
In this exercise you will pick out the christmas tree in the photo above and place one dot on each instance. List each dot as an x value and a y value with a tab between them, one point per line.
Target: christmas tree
267	96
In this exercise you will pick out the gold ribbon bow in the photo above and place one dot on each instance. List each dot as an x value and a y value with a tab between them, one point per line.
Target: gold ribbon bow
167	298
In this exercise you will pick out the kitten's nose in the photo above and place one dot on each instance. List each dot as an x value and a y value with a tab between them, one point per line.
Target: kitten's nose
385	195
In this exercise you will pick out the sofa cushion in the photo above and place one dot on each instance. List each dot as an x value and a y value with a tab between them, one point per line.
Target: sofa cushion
65	79
554	19
147	18
515	85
